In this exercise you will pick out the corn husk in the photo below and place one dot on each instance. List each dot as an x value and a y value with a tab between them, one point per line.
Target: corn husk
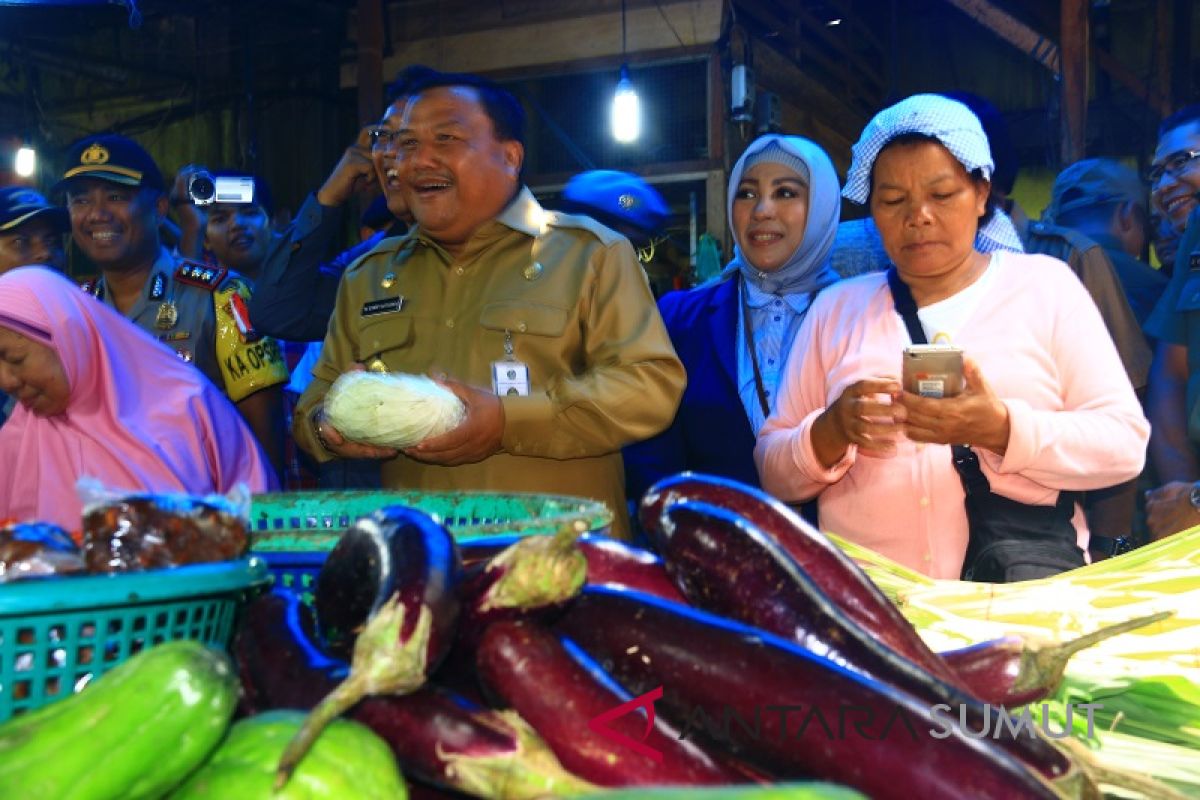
1148	680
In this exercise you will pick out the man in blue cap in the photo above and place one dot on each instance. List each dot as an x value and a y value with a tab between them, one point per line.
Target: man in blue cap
631	207
116	200
31	230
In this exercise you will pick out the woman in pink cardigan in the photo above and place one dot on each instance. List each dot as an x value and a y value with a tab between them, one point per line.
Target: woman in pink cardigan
1046	406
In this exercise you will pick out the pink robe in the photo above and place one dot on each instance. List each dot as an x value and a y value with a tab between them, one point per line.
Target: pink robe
138	417
1041	345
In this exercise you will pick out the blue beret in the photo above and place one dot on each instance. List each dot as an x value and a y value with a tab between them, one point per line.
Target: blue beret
616	198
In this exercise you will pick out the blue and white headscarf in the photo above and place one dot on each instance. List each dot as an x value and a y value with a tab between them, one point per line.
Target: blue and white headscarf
959	131
807	270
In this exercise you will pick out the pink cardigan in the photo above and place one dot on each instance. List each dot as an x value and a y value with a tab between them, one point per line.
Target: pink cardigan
1040	343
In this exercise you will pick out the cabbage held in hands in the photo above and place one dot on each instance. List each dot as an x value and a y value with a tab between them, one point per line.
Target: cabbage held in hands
391	409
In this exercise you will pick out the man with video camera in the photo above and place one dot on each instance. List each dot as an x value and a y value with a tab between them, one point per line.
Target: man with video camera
116	201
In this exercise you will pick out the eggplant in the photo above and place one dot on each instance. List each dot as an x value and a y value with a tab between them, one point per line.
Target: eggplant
828	567
389	587
1012	671
725	564
613	562
533	575
852	728
436	736
531	671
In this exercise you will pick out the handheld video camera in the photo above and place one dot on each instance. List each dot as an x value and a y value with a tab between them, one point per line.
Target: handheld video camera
205	190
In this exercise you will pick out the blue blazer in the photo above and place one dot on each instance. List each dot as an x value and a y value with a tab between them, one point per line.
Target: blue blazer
711	432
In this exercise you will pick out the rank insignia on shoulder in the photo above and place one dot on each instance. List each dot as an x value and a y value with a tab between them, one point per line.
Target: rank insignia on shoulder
196	274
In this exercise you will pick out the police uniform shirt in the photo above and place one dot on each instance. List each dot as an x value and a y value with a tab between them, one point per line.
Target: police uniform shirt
1176	318
570	299
188	307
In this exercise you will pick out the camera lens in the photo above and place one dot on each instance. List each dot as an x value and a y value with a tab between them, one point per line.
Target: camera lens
201	188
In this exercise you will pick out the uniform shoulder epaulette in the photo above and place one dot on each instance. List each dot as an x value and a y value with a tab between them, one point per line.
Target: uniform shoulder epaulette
205	276
387	248
1072	237
561	219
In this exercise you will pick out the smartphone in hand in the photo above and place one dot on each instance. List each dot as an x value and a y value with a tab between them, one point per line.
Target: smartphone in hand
933	370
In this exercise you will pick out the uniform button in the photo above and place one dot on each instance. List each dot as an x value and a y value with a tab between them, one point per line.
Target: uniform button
777	318
928	557
770	361
521	327
459	270
449	323
924	502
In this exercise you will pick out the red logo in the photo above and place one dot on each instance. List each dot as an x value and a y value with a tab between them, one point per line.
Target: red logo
599	724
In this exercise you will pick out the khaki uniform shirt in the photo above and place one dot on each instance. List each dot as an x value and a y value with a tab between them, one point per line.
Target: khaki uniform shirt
570	297
188	307
1094	269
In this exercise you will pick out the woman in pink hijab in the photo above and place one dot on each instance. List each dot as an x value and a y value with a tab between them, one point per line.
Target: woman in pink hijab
98	397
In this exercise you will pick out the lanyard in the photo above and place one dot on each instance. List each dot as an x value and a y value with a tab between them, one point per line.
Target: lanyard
748	328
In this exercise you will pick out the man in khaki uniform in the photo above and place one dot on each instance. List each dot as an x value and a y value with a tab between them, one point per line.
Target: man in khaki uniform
550	312
116	201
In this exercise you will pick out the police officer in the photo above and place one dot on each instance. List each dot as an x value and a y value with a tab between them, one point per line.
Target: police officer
31	230
116	202
631	207
542	322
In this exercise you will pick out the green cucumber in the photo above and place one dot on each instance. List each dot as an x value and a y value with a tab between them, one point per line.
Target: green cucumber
135	733
347	761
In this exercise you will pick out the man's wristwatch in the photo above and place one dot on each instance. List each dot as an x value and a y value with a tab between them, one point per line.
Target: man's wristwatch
1194	496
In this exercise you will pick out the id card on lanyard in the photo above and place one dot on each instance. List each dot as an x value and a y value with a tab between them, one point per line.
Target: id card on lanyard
510	376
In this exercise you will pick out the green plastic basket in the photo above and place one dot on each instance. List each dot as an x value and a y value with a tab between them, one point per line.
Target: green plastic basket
56	634
294	530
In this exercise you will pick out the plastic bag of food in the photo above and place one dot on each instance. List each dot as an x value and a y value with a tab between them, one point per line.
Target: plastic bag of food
36	549
133	531
391	409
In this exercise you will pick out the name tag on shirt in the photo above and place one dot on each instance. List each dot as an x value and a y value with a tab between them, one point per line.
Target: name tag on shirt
387	306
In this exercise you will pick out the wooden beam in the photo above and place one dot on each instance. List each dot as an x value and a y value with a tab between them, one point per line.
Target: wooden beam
370	60
1047	53
1011	30
1073	61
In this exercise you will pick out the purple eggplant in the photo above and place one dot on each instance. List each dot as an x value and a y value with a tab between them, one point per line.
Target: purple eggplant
388	586
789	710
532	672
535	574
437	737
615	563
727	565
827	566
1012	671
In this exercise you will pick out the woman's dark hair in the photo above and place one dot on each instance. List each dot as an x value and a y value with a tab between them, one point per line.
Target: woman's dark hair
976	175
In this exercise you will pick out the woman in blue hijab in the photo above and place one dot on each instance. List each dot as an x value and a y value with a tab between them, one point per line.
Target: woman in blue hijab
734	334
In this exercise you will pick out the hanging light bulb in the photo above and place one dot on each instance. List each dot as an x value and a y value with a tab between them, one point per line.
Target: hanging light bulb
25	164
626	110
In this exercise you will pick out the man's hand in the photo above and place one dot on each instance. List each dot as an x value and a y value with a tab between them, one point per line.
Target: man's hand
192	219
339	445
1169	509
975	417
478	436
353	172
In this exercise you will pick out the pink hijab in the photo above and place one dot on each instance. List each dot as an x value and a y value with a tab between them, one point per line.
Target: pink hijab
138	417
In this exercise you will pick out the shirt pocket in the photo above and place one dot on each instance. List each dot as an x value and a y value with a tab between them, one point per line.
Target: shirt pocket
379	336
1189	296
523	317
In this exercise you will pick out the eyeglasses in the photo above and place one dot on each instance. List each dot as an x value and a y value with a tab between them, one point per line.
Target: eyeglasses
382	137
1176	164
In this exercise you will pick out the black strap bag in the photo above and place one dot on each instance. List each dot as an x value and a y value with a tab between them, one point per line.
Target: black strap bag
1008	541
